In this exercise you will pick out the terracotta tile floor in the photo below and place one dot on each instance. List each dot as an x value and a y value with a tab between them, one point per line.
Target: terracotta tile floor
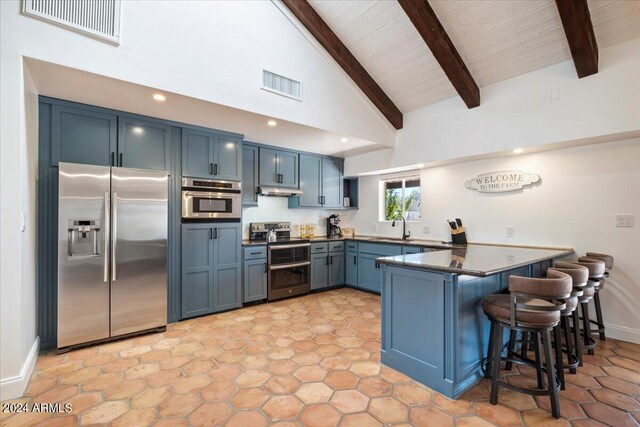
306	361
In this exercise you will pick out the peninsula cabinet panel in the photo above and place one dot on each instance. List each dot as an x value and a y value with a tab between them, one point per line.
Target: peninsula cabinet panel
143	144
81	135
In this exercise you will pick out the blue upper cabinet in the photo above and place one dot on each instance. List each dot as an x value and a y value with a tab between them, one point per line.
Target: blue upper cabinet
143	144
249	175
278	168
197	153
81	135
209	155
331	183
227	164
310	181
321	182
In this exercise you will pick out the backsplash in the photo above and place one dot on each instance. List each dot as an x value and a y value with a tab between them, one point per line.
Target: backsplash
276	209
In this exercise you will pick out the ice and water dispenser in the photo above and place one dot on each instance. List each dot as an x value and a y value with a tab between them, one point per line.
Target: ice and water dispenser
83	238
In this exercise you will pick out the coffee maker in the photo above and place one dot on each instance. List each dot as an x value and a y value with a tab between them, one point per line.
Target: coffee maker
333	230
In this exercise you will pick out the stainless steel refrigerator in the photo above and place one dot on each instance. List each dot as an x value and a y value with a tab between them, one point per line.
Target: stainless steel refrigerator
112	252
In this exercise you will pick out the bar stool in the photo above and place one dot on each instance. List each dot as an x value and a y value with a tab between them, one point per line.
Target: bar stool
608	265
533	305
579	276
596	271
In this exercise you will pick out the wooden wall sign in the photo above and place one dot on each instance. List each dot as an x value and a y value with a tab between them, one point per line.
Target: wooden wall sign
501	181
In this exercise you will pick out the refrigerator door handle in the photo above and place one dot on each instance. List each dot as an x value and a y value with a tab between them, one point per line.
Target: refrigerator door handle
114	232
106	236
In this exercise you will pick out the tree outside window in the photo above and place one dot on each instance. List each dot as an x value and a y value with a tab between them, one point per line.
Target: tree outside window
402	198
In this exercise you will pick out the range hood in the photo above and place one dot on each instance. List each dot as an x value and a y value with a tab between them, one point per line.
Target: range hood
278	192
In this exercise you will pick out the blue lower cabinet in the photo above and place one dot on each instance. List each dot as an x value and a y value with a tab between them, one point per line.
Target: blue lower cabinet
211	268
336	268
319	271
368	272
255	280
197	270
351	269
408	250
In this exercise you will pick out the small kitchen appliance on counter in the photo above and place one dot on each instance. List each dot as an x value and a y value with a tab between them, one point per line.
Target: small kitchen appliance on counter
458	233
333	230
288	259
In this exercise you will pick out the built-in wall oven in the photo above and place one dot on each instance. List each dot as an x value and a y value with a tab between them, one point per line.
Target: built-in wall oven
205	199
289	269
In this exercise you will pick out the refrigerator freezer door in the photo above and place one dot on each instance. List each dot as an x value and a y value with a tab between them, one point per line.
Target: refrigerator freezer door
139	246
83	249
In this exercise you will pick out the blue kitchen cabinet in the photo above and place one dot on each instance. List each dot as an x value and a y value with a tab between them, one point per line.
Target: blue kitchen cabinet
351	268
227	265
143	144
321	182
319	271
336	268
331	182
249	175
197	153
81	135
369	277
255	280
278	168
310	182
227	164
197	270
211	268
210	155
408	250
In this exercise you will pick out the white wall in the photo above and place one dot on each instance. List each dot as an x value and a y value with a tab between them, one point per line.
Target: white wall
519	112
581	191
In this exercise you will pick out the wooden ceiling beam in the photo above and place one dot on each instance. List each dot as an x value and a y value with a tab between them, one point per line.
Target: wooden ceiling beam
578	28
307	15
426	22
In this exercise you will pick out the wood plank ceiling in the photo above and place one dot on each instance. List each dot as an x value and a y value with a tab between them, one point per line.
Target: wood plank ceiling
497	40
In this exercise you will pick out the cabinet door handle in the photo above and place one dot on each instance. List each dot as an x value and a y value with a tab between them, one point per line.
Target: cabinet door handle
355	260
256	253
319	200
211	234
113	158
326	260
265	267
330	259
120	159
215	169
210	168
215	233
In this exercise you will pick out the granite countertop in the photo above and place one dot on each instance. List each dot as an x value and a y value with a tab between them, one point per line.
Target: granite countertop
412	242
476	259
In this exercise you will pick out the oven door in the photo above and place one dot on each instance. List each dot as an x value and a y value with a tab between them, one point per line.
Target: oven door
289	270
210	205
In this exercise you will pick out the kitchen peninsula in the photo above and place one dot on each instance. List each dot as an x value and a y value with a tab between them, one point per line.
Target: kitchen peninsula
433	327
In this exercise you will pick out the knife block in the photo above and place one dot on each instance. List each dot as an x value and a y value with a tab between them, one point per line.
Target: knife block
459	236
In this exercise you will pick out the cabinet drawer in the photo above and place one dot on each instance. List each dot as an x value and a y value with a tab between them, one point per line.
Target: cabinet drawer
352	246
319	248
255	252
336	246
380	249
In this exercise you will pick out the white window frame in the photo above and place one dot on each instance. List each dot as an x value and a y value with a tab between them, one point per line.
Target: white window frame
382	199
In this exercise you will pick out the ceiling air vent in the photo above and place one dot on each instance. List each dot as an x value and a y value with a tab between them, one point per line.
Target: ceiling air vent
281	85
97	18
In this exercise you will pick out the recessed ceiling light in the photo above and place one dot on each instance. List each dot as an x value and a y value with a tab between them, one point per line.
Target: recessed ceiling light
159	97
344	139
272	123
518	151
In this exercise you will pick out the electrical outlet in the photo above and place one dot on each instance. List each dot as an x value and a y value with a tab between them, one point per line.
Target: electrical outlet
425	229
510	231
23	221
624	220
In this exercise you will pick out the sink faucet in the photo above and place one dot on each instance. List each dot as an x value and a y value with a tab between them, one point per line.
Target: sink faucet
405	234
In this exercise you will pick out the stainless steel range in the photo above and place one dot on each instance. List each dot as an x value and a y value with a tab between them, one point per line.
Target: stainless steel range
288	259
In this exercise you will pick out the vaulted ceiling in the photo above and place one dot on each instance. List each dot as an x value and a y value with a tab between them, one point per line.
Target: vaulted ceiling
496	40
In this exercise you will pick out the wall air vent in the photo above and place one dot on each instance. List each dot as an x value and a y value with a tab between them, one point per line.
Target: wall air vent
281	85
97	18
